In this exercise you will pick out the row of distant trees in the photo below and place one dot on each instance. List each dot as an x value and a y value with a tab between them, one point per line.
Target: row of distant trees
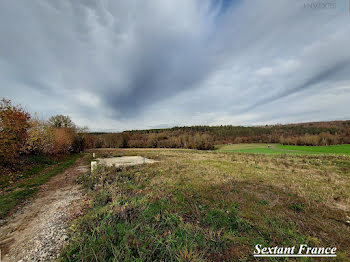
152	140
205	137
22	134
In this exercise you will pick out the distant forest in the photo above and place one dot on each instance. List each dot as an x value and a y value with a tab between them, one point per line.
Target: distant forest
206	137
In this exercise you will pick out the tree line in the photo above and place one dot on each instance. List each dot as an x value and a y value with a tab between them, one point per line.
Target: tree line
22	134
206	137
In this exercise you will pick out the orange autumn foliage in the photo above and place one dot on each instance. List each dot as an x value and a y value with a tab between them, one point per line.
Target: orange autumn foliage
63	140
14	122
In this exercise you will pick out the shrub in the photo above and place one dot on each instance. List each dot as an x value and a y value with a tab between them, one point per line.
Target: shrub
80	139
14	122
40	138
63	140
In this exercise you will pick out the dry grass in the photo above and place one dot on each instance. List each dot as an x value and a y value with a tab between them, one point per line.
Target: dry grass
215	206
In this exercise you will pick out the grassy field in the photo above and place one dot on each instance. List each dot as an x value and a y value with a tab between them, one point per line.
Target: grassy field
28	183
284	149
211	206
30	166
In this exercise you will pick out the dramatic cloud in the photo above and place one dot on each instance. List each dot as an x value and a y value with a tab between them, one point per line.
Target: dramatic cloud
116	65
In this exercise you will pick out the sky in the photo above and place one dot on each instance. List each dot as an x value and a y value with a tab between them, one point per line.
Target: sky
120	65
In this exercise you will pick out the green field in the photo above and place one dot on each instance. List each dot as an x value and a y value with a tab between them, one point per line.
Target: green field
284	149
211	206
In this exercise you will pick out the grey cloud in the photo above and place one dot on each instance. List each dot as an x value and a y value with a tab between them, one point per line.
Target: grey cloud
137	64
325	75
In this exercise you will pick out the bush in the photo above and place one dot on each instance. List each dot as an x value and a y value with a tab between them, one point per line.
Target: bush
64	138
20	134
14	123
40	138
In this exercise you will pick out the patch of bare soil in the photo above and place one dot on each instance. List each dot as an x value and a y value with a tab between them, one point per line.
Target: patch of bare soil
37	232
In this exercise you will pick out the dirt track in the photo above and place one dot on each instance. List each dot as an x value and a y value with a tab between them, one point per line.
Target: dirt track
37	231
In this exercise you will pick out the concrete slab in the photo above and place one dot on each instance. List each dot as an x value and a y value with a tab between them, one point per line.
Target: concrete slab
124	161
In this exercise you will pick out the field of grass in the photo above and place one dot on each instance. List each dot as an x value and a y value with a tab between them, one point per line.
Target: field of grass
31	165
284	149
211	206
28	183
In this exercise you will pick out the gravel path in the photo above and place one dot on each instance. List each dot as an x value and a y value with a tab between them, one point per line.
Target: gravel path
37	232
